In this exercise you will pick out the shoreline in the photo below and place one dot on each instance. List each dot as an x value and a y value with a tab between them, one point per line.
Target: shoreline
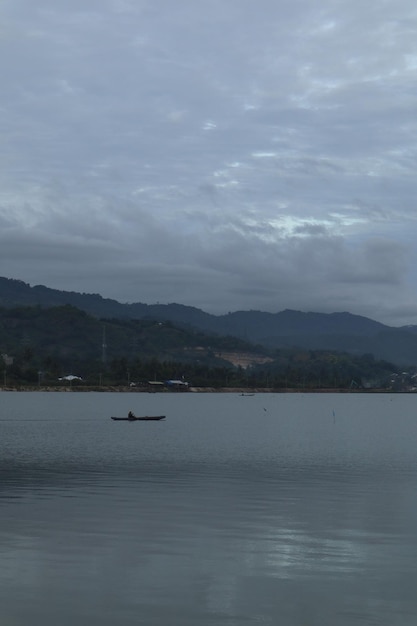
246	392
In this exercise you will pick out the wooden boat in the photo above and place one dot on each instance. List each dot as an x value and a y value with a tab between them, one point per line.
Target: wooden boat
143	418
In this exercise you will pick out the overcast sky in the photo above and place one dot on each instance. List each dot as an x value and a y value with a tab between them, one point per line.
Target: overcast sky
226	154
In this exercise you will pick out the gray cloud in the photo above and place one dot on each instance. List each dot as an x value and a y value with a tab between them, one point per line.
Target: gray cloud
242	156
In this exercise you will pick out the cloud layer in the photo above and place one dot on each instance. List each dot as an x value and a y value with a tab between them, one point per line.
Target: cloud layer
225	155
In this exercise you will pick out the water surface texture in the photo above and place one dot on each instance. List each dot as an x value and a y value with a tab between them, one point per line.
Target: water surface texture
288	509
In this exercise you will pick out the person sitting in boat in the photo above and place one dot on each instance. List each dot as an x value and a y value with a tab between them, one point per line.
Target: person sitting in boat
131	415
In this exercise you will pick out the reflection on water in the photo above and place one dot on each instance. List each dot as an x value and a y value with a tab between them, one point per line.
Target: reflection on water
273	509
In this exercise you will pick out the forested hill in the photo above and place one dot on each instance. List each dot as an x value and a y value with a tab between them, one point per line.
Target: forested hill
71	335
44	344
341	331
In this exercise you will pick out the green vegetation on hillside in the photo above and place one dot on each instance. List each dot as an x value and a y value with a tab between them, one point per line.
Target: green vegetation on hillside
41	345
332	332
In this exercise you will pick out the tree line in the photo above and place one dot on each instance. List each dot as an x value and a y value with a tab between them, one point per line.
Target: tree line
40	346
307	370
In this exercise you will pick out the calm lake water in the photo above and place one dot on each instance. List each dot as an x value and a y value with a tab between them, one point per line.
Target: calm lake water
276	509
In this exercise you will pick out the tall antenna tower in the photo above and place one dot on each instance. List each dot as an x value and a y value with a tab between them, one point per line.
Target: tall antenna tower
104	346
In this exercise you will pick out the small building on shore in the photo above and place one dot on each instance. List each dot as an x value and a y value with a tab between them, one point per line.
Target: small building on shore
179	385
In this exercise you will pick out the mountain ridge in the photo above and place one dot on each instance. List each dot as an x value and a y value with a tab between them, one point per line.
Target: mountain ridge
341	331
